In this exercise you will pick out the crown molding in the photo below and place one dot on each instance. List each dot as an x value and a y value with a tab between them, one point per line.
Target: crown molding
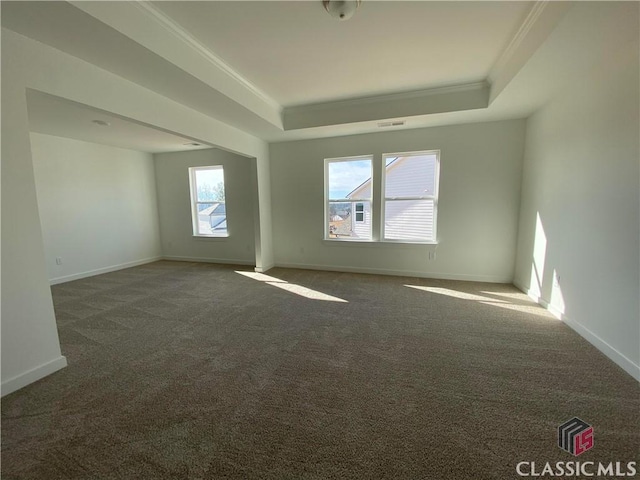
387	98
180	33
400	105
510	51
542	19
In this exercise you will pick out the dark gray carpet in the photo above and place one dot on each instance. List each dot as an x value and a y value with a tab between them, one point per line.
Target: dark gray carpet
182	370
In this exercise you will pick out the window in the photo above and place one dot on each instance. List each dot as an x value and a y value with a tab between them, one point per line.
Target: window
410	196
208	207
348	198
406	198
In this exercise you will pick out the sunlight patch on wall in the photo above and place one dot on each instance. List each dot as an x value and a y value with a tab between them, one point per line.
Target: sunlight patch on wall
539	255
291	287
556	302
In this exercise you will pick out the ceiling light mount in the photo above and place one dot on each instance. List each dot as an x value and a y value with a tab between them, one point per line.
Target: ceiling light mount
341	9
102	123
394	123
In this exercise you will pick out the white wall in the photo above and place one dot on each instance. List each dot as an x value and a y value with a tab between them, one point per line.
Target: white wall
478	209
51	71
174	205
263	205
97	205
579	244
30	346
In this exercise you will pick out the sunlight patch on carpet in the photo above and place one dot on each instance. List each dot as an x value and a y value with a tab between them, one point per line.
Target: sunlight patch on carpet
455	293
292	287
485	300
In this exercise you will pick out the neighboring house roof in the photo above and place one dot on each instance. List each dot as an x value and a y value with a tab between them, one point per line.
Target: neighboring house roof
219	223
217	208
358	188
364	184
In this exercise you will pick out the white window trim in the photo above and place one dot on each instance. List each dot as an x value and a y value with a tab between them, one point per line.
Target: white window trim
355	213
434	197
195	202
328	201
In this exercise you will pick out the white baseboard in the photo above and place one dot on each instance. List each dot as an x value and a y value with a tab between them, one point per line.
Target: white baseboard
32	375
264	269
620	359
226	261
398	273
100	271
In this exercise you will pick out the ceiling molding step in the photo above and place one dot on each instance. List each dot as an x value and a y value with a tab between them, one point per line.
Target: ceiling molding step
155	31
534	30
518	38
172	27
52	115
45	69
453	98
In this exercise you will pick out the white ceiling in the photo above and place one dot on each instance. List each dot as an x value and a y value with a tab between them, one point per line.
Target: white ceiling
286	70
55	116
297	54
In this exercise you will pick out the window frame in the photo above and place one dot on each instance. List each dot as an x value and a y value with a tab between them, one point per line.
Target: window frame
193	189
434	197
356	212
328	200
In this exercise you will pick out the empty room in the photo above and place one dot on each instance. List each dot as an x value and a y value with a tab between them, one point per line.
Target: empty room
320	239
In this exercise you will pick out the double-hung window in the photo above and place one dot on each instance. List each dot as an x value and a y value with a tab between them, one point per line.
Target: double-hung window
348	192
410	183
406	205
208	206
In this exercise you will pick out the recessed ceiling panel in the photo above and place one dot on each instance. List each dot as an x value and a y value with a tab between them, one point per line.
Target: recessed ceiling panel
55	116
298	54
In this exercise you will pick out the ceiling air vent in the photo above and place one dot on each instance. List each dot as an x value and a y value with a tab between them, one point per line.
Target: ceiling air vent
397	123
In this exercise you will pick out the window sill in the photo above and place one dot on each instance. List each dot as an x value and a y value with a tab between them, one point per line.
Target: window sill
377	243
206	238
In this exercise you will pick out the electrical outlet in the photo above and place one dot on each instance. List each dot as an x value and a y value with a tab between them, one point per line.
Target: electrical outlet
432	255
58	260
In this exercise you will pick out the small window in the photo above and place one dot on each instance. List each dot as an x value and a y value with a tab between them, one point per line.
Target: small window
411	196
348	198
208	206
